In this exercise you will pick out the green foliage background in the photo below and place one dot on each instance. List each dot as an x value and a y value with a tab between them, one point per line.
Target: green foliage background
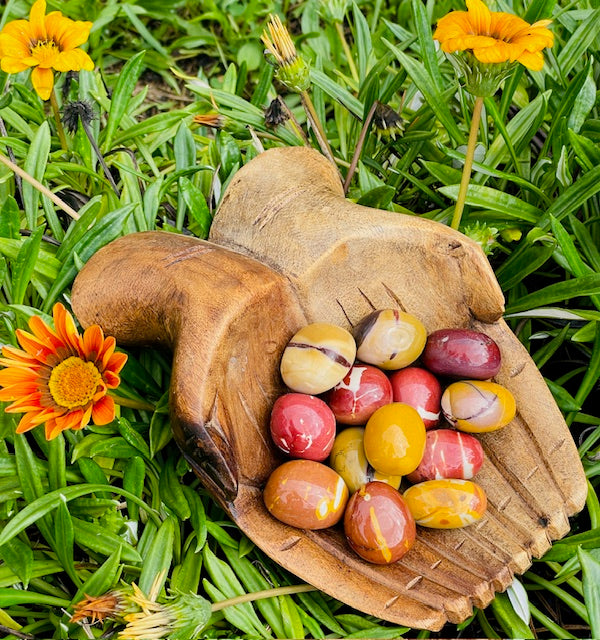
131	505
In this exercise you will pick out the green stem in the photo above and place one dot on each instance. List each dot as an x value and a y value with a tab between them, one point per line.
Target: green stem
311	114
130	403
347	52
466	174
260	595
59	127
359	146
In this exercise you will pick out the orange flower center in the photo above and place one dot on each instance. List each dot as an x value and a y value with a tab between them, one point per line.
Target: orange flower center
45	52
73	382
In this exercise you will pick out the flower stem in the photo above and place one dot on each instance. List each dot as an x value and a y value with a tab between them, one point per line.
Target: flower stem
39	186
130	403
466	174
359	146
312	116
347	52
59	127
260	595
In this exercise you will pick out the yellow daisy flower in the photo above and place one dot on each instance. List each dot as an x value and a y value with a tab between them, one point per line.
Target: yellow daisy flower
494	36
43	43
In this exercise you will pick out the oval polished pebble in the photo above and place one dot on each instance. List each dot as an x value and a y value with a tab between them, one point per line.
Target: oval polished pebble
420	389
317	358
378	524
390	339
449	454
363	390
462	353
478	406
446	504
394	439
306	494
302	426
349	460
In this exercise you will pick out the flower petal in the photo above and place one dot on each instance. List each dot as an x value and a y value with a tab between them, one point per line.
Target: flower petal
76	33
66	328
92	342
18	393
111	379
480	17
15	375
43	81
37	21
533	61
13	46
73	60
12	65
103	411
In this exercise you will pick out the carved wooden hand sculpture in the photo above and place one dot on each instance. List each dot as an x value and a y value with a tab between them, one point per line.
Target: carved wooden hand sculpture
286	249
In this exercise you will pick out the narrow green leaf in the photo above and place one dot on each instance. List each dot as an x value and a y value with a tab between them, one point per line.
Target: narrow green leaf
572	198
93	474
590	568
98	538
253	580
435	99
132	437
426	44
10	221
158	559
35	166
186	576
103	579
64	536
10	597
291	619
563	398
133	481
47	503
494	200
261	91
24	266
140	27
198	211
171	491
40	569
57	476
337	92
78	228
103	232
18	557
362	38
583	286
578	43
121	96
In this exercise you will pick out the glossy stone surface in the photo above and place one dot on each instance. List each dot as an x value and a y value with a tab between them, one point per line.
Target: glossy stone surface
420	389
349	460
306	494
462	353
478	406
302	426
378	525
390	339
394	439
363	390
449	454
446	504
317	358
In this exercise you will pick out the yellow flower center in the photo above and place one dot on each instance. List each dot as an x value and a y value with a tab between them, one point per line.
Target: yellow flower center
45	52
73	382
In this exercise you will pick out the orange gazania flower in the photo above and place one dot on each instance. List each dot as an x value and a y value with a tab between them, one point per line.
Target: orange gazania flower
60	377
44	42
494	36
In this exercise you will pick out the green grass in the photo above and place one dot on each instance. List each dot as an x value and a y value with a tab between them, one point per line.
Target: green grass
534	195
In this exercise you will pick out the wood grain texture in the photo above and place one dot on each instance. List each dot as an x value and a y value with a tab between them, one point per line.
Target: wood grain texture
286	249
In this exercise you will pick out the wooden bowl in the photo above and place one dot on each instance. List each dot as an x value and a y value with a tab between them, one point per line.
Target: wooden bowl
286	248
